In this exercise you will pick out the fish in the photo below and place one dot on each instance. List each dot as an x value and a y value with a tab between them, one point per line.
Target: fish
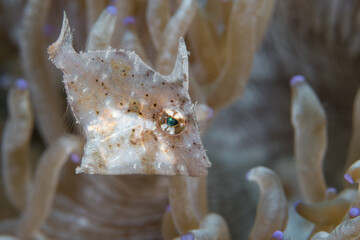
135	120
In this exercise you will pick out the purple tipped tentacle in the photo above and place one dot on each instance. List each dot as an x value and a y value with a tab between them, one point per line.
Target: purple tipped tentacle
278	235
331	190
112	10
129	20
168	208
354	212
22	84
349	178
75	158
297	78
296	204
188	236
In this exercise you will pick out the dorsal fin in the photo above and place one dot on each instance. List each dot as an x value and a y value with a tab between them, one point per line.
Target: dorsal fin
181	69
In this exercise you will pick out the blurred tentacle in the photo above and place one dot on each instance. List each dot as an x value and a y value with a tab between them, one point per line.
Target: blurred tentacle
169	40
330	194
352	175
212	227
93	10
103	29
199	196
45	183
182	211
354	150
5	237
157	17
203	112
220	12
309	122
131	42
125	9
240	47
264	16
168	228
347	230
204	47
327	213
128	37
46	99
16	169
272	210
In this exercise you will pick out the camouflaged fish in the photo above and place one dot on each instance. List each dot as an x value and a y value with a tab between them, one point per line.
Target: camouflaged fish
136	121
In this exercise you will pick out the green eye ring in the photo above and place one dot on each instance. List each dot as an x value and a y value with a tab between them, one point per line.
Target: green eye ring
171	121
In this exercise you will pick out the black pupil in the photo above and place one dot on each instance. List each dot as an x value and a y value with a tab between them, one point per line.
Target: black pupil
171	121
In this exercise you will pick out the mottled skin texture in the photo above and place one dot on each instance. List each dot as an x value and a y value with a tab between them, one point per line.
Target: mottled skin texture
118	100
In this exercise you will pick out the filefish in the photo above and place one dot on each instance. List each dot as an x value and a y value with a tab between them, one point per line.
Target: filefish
135	120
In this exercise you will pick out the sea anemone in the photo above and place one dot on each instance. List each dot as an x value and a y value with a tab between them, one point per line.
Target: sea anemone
161	192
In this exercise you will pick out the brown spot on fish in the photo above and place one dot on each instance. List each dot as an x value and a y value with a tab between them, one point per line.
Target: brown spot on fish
149	73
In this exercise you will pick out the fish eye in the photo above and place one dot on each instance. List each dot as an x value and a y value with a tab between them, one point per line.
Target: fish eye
171	121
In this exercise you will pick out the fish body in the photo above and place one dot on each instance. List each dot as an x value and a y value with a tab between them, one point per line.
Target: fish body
136	121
